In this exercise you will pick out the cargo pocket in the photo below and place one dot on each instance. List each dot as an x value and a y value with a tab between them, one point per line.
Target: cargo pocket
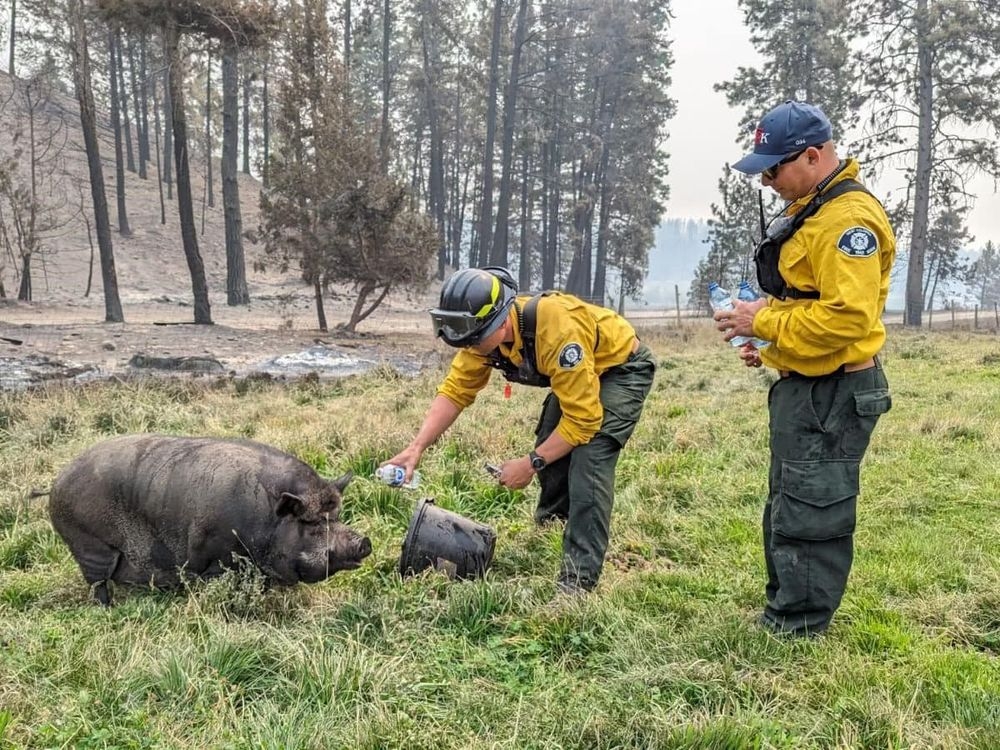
623	395
548	418
872	403
857	431
817	501
620	420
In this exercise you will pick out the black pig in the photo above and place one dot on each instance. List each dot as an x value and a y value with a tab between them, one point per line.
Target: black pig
149	509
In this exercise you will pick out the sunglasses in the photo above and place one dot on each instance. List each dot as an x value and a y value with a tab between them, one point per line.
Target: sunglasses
771	173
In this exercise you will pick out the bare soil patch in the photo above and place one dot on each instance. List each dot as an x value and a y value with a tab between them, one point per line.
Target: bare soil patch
74	334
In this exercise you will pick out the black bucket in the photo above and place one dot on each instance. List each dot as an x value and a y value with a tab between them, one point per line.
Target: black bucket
447	542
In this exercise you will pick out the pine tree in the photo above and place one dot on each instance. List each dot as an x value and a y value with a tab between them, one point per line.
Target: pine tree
931	66
330	209
984	276
88	121
733	232
806	49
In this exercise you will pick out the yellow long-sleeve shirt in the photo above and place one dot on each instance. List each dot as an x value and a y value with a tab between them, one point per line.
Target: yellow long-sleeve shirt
575	343
846	252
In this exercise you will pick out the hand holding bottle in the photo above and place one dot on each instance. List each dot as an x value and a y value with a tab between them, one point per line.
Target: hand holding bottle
747	293
722	303
395	476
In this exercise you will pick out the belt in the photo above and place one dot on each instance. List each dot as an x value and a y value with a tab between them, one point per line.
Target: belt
844	368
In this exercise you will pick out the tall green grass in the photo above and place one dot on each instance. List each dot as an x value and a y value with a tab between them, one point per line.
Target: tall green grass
665	653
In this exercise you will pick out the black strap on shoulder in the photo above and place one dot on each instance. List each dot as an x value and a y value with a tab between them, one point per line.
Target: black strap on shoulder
527	373
810	209
528	323
821	199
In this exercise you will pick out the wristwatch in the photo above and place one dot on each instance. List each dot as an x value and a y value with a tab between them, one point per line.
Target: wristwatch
537	462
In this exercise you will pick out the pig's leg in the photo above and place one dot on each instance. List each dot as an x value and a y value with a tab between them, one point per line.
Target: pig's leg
98	562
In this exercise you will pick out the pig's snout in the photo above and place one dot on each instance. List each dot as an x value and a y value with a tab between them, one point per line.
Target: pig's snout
350	555
364	548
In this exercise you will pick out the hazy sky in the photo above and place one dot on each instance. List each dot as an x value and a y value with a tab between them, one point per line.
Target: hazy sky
710	44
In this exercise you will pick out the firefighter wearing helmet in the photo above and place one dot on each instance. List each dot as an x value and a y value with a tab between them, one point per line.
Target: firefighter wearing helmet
598	375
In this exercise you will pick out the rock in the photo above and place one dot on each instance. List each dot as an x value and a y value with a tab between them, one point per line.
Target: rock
184	364
108	346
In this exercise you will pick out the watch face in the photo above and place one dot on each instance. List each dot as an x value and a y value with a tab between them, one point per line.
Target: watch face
537	462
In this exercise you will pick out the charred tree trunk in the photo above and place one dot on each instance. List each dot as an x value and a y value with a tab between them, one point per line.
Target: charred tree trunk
318	295
524	266
456	215
159	165
383	136
603	220
485	222
498	253
185	205
553	193
265	124
208	137
123	228
436	201
123	104
578	279
922	177
236	275
168	134
347	47
134	88
24	291
143	106
88	124
90	264
247	79
13	28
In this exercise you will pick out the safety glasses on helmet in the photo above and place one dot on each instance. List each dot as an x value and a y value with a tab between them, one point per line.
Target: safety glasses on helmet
458	328
474	304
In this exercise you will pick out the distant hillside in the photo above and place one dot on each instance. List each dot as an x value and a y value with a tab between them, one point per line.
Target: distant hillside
680	244
150	263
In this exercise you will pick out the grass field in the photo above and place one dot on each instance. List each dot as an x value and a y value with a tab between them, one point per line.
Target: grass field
665	653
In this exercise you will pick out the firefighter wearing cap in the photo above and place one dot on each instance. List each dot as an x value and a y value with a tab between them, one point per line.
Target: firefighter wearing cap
828	282
599	375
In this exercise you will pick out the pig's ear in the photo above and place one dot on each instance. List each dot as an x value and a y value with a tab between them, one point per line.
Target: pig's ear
290	505
341	482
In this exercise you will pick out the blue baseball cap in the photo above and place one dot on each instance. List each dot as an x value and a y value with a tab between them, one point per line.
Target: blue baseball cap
785	130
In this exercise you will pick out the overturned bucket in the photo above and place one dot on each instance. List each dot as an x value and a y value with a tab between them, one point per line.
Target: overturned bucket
447	542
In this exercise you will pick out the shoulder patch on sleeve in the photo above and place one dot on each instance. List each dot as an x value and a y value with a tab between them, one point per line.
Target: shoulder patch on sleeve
570	356
858	242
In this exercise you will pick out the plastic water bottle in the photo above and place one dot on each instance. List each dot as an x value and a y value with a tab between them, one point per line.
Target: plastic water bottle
720	299
395	476
746	293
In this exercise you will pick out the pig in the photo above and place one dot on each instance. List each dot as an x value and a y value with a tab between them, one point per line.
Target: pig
153	509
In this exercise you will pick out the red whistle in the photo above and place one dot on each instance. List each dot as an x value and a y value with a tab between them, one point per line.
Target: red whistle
506	391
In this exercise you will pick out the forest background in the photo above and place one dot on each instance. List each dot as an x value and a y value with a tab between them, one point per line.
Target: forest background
389	142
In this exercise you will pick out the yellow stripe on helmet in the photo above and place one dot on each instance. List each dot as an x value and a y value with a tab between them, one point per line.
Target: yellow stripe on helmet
494	293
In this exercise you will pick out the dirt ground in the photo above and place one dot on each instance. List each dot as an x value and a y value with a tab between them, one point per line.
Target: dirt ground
74	333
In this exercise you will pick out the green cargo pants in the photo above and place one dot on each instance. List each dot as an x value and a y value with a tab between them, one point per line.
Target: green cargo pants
579	487
820	429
